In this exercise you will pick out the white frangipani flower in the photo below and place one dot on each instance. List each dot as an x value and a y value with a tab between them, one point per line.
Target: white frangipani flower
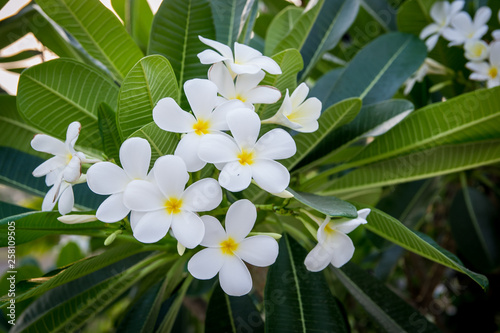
62	193
487	71
165	203
298	113
244	158
334	246
202	97
246	60
227	249
476	50
430	66
442	12
107	178
464	29
245	88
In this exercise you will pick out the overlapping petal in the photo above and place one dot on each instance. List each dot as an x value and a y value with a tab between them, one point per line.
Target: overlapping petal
107	178
188	228
168	115
259	251
171	175
240	219
214	232
112	209
202	196
152	227
206	264
143	196
270	175
234	277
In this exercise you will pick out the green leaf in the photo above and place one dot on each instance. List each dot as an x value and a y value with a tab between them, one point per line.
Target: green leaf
174	34
169	320
391	229
150	80
280	26
7	209
330	205
331	119
229	17
297	300
23	55
332	22
3	3
162	142
69	254
390	312
54	94
98	31
232	314
379	69
108	129
137	17
420	165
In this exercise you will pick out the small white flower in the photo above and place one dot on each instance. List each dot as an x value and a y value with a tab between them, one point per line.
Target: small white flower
334	246
244	158
107	178
202	97
476	50
429	66
465	29
227	249
62	192
164	203
487	71
298	113
496	33
246	60
442	12
244	88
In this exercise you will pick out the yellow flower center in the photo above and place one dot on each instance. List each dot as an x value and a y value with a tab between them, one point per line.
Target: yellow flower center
173	205
478	49
201	127
245	157
228	246
329	229
68	158
493	72
241	98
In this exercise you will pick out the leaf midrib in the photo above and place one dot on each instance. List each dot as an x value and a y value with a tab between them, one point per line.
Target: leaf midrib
296	280
184	48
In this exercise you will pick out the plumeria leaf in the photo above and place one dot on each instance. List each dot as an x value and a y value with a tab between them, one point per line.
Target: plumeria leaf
297	300
137	17
51	106
69	253
169	320
111	141
280	26
150	80
23	55
330	206
232	314
229	18
391	229
390	312
248	28
98	31
7	209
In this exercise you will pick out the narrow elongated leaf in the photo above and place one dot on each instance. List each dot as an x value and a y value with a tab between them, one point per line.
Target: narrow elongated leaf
330	206
54	94
7	209
297	300
69	253
98	31
169	320
379	69
321	89
174	34
232	314
229	18
110	136
162	142
23	55
390	312
280	26
391	229
420	165
150	80
331	119
335	17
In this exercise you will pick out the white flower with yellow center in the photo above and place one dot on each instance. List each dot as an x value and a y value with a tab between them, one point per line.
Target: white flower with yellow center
487	71
244	88
298	113
246	60
227	249
202	97
107	178
442	12
245	157
165	204
464	29
476	50
334	246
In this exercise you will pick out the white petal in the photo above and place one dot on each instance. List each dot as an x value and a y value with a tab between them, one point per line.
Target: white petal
219	74
429	30
214	232
263	95
454	36
206	264
270	175
246	82
208	57
318	259
170	117
202	97
496	34
66	199
48	144
276	144
188	229
235	177
202	196
171	175
218	148
224	50
54	176
259	251
135	155
478	77
456	6
152	226
495	54
245	126
299	95
439	10
482	16
135	217
72	172
187	149
219	121
478	67
72	133
309	127
143	196
240	219
112	209
342	248
267	64
234	277
244	53
431	42
242	69
107	178
49	201
49	165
